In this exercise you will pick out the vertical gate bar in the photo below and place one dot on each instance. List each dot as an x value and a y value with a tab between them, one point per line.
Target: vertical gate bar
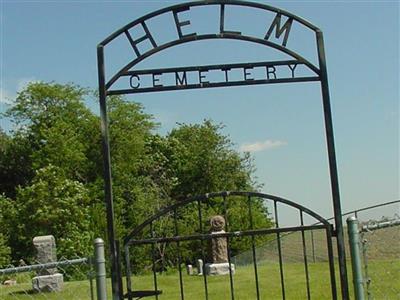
253	247
279	251
202	248
153	260
179	256
331	261
313	245
120	285
332	166
116	276
305	256
128	273
229	248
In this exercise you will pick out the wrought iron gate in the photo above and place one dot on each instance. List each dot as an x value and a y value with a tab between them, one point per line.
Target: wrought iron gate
171	237
277	35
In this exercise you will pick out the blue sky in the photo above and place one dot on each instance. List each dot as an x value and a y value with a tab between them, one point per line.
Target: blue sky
281	125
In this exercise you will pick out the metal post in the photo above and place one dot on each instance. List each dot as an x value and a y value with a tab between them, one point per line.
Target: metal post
116	276
332	166
313	245
354	241
91	276
100	266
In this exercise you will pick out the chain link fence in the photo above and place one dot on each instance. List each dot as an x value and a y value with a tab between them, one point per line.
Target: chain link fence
380	248
78	283
380	229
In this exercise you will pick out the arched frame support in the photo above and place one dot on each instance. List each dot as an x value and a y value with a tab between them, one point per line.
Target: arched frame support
320	75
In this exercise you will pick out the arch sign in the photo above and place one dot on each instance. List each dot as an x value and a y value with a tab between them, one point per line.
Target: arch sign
277	32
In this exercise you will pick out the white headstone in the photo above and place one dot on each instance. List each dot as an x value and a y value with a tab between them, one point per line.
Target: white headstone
219	269
189	269
200	267
47	280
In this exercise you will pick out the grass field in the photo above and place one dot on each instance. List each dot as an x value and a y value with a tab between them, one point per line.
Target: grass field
219	287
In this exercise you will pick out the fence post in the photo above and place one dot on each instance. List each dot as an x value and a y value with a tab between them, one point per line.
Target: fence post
100	267
354	241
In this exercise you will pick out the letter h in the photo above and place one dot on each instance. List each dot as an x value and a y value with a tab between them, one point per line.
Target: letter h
146	36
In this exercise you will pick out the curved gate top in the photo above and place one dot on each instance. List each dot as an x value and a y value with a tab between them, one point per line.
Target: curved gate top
180	233
279	31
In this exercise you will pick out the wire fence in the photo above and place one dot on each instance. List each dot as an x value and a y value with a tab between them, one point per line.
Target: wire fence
64	279
380	236
381	258
380	229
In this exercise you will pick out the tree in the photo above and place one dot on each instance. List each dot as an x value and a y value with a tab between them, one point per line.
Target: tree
194	160
7	212
48	161
205	161
55	123
56	131
51	169
15	162
54	205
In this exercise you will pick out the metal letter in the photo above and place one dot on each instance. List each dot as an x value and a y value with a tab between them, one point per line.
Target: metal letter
222	22
201	77
226	70
271	72
276	23
141	39
180	81
180	24
156	79
292	69
245	74
131	81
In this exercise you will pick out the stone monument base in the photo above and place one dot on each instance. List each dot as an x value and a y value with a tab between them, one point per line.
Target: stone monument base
48	283
219	269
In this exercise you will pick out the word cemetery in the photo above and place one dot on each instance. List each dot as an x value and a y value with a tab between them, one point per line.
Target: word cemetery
213	76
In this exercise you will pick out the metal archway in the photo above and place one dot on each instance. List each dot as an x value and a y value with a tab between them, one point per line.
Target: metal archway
276	36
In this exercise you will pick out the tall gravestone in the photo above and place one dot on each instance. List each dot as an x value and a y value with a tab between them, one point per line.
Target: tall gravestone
218	263
47	280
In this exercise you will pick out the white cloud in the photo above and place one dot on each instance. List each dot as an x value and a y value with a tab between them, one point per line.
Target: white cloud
261	146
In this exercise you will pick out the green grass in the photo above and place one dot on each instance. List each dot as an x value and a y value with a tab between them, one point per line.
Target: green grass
219	287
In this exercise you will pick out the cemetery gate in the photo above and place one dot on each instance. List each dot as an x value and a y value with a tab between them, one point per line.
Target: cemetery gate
281	30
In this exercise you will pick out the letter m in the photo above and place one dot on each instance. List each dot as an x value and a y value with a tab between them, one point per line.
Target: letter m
276	24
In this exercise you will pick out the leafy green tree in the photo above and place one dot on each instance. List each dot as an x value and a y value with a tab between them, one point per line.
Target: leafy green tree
54	205
7	213
52	147
15	163
55	128
194	160
5	252
54	121
205	161
51	169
